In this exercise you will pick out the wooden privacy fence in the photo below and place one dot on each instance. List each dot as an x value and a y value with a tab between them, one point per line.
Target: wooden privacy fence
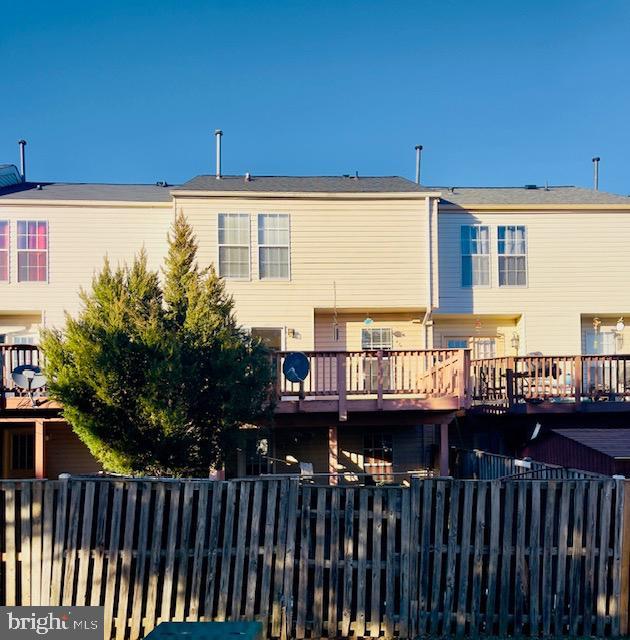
443	557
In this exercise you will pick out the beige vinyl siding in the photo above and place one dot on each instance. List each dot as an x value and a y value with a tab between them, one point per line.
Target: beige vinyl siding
373	251
408	332
578	263
65	453
79	238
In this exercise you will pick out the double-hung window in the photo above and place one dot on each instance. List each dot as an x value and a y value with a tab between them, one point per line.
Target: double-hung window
512	250
234	245
32	250
4	250
273	246
377	338
475	249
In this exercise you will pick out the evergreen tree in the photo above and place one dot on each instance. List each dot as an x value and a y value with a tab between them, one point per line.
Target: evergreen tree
157	379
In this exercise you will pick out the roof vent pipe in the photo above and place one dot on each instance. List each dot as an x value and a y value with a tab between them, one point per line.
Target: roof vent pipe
596	160
22	144
418	153
217	134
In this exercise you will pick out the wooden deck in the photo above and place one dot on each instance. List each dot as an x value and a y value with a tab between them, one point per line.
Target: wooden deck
432	380
367	381
338	382
551	384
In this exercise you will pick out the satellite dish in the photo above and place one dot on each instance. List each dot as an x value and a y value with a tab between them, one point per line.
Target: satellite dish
295	367
28	377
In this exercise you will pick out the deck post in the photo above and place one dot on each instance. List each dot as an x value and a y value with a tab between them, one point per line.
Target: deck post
333	455
444	449
40	450
464	392
341	387
510	381
379	379
577	366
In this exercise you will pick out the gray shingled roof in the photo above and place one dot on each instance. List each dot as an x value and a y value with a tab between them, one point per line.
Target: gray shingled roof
466	196
611	442
457	196
314	184
102	192
9	175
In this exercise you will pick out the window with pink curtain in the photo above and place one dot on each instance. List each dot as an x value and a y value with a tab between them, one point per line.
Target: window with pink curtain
4	251
32	243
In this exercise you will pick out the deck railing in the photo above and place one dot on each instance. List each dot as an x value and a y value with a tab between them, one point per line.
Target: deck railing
12	356
432	373
509	381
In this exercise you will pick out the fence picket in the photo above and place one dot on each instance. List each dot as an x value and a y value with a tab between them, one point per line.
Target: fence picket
151	614
10	571
25	543
145	490
72	542
86	542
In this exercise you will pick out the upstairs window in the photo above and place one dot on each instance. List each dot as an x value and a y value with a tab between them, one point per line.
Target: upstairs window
512	250
475	249
234	245
4	251
32	254
273	246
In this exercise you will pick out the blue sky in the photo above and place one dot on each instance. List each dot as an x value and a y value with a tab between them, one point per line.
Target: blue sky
499	93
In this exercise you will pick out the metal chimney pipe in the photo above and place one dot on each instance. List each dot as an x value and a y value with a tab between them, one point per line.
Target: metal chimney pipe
22	144
217	134
418	152
596	160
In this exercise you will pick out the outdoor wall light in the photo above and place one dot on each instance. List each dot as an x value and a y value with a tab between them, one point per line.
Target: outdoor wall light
515	341
620	326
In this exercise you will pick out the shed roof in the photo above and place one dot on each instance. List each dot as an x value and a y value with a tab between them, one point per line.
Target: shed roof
614	443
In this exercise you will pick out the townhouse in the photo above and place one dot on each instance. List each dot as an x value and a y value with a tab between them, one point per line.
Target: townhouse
413	305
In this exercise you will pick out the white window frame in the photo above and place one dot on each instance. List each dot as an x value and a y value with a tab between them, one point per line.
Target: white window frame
504	254
27	339
18	251
235	246
262	245
466	253
381	344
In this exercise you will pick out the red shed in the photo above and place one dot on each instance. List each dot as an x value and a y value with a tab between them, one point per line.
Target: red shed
600	450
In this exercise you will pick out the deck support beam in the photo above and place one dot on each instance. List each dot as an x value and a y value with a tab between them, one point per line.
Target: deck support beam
333	455
40	449
444	449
